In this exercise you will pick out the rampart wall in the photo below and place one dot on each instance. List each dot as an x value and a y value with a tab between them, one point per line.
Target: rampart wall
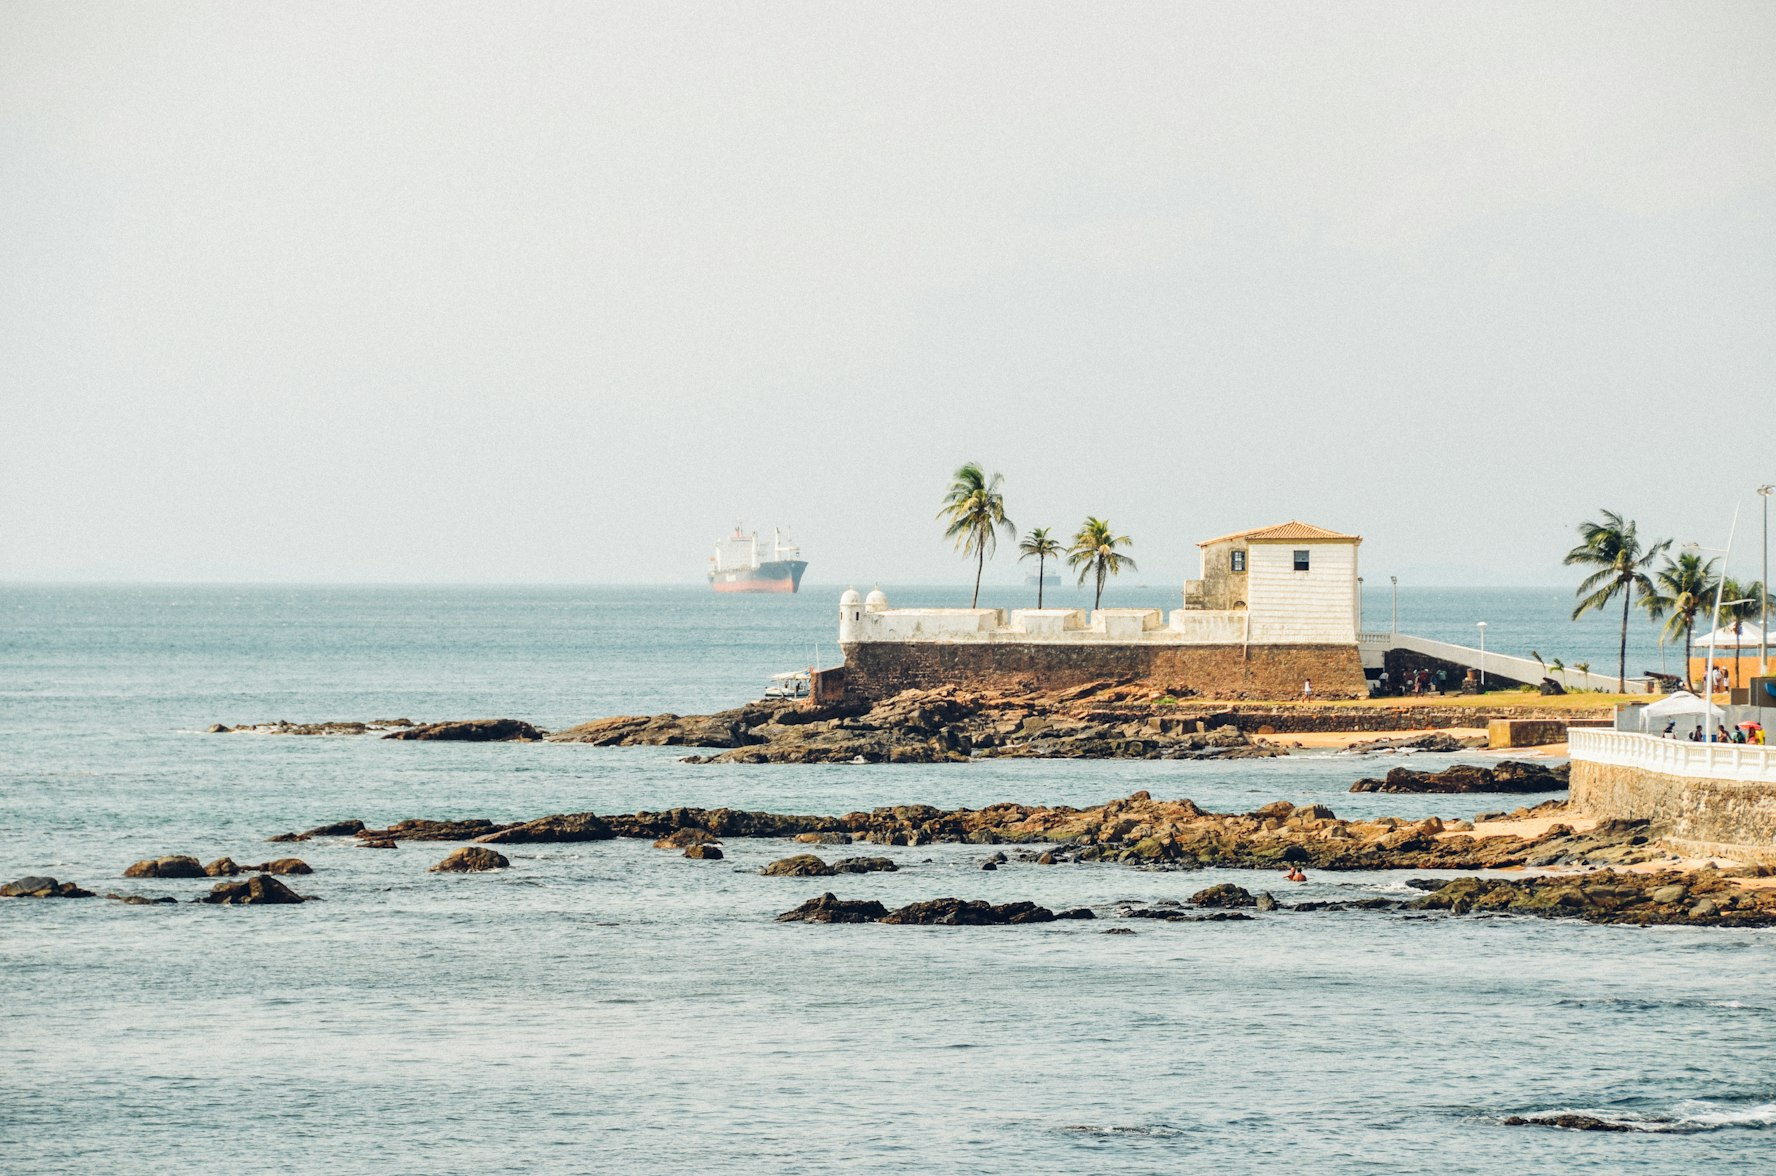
876	669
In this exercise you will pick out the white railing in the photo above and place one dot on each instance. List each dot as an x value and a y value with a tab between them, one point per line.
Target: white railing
1505	665
1674	757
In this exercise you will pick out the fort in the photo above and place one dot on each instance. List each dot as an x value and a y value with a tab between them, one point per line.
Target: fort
1274	610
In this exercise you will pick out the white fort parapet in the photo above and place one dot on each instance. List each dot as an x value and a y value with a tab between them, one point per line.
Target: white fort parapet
861	622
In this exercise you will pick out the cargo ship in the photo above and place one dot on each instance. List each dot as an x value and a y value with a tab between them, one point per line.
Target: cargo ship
742	564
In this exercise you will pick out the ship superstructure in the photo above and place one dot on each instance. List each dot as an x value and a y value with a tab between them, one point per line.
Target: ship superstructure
742	563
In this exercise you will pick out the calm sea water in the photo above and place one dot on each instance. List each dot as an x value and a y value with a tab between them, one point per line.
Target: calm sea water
610	1007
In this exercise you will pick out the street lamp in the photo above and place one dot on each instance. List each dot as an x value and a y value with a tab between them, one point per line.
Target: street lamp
1714	620
1359	604
1395	582
1764	620
1482	657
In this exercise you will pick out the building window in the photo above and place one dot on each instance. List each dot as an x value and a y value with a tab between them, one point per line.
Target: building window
1301	561
1239	561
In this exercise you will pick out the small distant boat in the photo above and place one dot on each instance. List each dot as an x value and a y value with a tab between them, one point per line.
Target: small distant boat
794	684
742	564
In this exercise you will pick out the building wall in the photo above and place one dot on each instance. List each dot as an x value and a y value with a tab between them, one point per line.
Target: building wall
876	669
1220	587
1319	604
1726	817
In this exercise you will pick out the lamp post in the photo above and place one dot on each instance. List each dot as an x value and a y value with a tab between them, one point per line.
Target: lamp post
1359	604
1714	622
1482	625
1394	582
1764	620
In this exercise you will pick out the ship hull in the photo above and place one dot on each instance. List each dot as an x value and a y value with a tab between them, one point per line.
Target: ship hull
781	576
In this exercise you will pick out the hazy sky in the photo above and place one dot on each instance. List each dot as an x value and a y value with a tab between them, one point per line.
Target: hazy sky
557	292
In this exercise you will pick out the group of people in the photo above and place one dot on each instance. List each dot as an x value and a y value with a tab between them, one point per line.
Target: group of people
1420	681
1752	733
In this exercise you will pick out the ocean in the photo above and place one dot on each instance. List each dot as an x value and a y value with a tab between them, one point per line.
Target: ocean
609	1007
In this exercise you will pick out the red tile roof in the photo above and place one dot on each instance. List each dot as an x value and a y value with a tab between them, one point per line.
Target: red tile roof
1284	532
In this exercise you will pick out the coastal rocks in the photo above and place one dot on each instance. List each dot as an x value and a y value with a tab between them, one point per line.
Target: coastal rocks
281	727
1567	1120
470	859
1224	894
828	909
961	912
806	865
258	890
556	828
335	829
172	866
418	829
1420	741
141	899
1508	776
39	886
943	725
684	838
1705	897
473	731
223	867
704	852
377	843
824	838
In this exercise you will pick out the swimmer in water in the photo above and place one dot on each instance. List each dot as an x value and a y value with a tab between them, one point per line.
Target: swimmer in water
1294	875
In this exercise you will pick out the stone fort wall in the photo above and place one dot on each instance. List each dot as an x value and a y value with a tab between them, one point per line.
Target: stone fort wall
876	669
1727	817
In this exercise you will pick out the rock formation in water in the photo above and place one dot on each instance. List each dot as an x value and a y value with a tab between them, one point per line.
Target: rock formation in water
471	859
1507	776
38	886
473	731
257	890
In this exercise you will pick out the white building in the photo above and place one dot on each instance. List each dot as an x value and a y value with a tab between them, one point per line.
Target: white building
1292	584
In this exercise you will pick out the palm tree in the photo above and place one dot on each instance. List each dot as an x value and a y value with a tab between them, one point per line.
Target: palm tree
1739	603
1039	544
975	508
1613	548
1681	589
1094	554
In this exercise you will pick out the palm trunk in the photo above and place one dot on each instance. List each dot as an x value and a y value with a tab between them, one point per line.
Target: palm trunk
1041	562
1098	600
980	565
1622	661
1689	632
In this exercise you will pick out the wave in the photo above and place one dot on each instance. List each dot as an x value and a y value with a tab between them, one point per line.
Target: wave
1690	1117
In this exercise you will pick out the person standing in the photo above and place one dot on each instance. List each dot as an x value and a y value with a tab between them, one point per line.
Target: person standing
1307	690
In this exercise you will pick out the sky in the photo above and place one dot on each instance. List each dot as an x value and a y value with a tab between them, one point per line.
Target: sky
559	292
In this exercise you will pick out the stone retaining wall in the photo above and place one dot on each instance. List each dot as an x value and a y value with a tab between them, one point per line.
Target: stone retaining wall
1716	817
877	669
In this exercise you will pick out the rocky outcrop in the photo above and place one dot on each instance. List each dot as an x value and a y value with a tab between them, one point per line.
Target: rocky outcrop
684	838
806	865
1566	1120
470	859
172	866
559	827
345	727
1706	897
39	886
1138	830
1507	776
704	852
222	867
1418	741
418	829
962	912
141	899
335	829
827	909
473	731
946	724
257	890
1225	894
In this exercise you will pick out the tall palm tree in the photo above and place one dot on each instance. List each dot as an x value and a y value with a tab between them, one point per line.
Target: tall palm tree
975	509
1739	603
1613	547
1038	543
1094	554
1681	589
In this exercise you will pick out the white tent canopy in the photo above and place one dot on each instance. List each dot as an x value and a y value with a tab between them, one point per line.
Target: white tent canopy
1676	706
1723	638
